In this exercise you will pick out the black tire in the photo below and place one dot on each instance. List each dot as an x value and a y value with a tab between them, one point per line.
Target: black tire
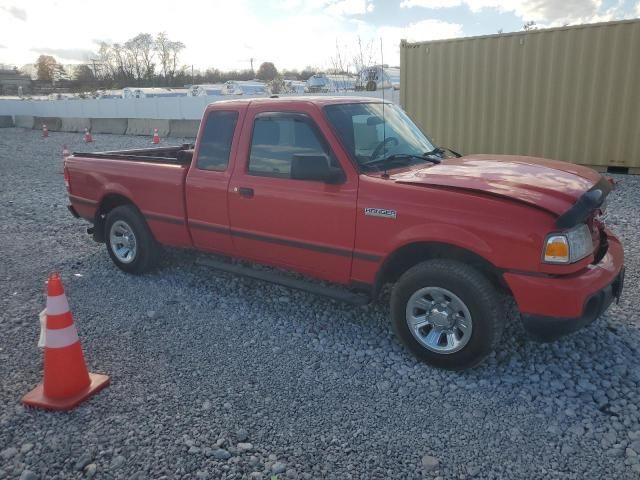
147	249
474	289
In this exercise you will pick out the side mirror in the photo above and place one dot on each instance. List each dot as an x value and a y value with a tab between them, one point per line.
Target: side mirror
315	168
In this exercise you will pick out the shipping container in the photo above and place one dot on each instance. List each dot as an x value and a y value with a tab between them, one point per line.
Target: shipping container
570	93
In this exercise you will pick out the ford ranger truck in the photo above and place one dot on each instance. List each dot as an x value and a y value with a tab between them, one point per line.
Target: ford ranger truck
351	191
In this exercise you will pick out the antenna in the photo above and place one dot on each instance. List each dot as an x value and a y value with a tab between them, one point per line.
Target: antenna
384	123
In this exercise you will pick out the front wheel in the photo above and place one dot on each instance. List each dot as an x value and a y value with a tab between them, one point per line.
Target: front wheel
447	313
129	241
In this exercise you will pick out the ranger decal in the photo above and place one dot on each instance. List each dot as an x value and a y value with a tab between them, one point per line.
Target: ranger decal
380	212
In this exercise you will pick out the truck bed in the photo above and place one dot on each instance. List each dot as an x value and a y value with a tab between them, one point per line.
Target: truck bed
168	155
152	179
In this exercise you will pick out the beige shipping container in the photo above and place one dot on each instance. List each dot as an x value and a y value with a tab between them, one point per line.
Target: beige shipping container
570	93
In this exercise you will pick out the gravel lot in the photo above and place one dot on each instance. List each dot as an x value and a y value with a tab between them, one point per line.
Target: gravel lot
215	376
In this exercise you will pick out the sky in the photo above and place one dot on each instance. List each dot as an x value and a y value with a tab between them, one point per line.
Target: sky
290	33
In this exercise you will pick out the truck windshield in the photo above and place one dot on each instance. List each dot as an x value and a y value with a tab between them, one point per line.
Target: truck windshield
370	138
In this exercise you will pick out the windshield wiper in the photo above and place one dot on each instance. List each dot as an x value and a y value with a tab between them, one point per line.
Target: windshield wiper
440	151
402	156
388	161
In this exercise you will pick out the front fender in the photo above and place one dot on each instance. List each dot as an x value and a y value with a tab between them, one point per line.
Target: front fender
442	233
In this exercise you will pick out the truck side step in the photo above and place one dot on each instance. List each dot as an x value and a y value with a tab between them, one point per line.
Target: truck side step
286	281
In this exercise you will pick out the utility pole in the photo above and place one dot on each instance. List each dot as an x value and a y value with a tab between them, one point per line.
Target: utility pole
95	73
191	74
252	70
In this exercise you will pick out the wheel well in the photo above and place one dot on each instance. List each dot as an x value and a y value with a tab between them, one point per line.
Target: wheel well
409	255
108	203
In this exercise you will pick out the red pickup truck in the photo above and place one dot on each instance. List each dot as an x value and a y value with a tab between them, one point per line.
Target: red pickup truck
350	191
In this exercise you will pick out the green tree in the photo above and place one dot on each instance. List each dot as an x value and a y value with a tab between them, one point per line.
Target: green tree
267	72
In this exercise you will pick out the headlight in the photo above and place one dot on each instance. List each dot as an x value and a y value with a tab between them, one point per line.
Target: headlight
568	247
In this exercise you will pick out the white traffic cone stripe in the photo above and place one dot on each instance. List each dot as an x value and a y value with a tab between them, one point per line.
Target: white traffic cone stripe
61	337
57	305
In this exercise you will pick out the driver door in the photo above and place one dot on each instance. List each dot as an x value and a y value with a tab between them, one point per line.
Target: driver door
305	225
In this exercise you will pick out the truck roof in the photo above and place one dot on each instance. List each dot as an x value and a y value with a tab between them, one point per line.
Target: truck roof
296	99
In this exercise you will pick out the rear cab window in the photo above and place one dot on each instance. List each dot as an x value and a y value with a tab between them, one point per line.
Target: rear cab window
216	139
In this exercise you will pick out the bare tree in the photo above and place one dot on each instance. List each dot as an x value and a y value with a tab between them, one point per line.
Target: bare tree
105	59
174	51
365	57
167	52
337	61
123	63
142	48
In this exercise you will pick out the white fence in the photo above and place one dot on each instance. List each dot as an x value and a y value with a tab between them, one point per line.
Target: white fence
172	108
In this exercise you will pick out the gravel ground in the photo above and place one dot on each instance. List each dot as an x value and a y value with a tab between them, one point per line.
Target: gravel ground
215	376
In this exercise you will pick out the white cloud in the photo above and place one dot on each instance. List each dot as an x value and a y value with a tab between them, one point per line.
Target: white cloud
341	8
304	33
638	9
544	12
423	30
430	3
15	12
72	54
349	7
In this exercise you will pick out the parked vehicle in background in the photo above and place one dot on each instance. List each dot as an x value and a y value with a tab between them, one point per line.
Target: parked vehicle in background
350	191
323	83
240	87
378	77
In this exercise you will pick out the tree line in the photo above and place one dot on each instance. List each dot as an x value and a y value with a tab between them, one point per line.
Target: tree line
146	61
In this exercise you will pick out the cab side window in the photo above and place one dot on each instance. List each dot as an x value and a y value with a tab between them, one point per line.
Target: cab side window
215	144
277	138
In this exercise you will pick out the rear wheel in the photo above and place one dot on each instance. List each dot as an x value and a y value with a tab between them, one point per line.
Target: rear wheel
129	240
447	313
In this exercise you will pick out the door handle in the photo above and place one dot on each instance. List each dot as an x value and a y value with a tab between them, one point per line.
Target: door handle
244	191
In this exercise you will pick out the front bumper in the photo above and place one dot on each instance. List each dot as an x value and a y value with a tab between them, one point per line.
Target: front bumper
552	306
550	328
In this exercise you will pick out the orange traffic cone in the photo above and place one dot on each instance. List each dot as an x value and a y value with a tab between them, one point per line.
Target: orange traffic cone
156	137
45	131
87	136
65	151
66	380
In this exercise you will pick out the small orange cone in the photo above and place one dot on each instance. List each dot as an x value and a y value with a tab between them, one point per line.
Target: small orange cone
87	136
66	380
156	137
45	131
65	151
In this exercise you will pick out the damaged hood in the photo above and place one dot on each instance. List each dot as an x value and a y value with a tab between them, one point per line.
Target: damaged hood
548	184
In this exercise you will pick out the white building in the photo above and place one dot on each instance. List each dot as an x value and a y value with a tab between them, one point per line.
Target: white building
242	87
205	90
323	83
133	92
377	77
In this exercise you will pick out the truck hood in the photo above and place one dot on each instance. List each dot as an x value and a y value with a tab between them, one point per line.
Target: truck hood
548	184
